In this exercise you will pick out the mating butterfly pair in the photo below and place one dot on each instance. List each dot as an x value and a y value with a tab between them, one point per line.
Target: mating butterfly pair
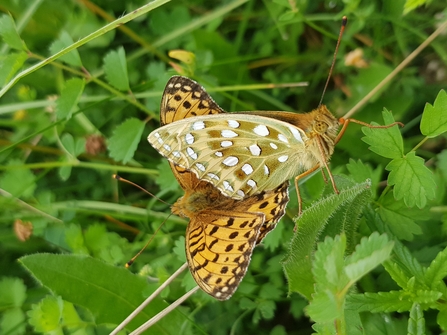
234	169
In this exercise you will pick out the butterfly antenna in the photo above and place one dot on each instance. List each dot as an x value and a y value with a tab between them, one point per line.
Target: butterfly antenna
129	263
117	177
342	29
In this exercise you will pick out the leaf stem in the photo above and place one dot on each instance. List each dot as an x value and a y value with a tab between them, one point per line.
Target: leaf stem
420	143
87	165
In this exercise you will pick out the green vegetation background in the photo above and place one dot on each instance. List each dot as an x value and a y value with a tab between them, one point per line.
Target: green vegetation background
68	125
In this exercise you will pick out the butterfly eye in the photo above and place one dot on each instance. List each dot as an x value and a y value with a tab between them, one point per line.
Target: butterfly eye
320	127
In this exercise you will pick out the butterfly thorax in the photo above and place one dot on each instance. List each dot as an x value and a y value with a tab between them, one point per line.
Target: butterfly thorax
322	130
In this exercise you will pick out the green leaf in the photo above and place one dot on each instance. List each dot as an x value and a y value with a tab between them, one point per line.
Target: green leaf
437	270
115	67
46	316
370	253
323	307
64	40
247	304
10	64
426	296
360	171
396	273
297	264
382	324
392	301
125	139
434	117
19	182
416	323
267	308
9	33
166	179
179	249
408	262
69	98
399	218
442	318
385	142
12	293
110	293
13	321
74	147
411	5
327	267
412	180
64	172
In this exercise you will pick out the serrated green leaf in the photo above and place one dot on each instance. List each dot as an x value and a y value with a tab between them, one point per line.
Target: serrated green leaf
399	218
385	142
69	98
97	286
12	293
360	171
392	301
46	316
434	117
323	307
9	33
396	273
247	304
18	182
412	180
115	68
437	270
297	264
408	262
370	253
64	40
125	139
179	249
327	267
10	64
426	296
416	322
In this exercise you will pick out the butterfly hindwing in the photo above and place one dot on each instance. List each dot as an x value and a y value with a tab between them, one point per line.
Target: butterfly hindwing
219	248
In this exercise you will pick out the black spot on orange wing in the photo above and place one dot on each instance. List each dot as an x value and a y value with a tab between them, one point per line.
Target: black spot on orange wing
233	235
229	247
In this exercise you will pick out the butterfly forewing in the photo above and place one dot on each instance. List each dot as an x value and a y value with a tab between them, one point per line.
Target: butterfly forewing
240	154
184	98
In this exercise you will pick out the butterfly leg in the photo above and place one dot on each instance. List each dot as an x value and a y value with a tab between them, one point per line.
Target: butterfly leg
297	178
